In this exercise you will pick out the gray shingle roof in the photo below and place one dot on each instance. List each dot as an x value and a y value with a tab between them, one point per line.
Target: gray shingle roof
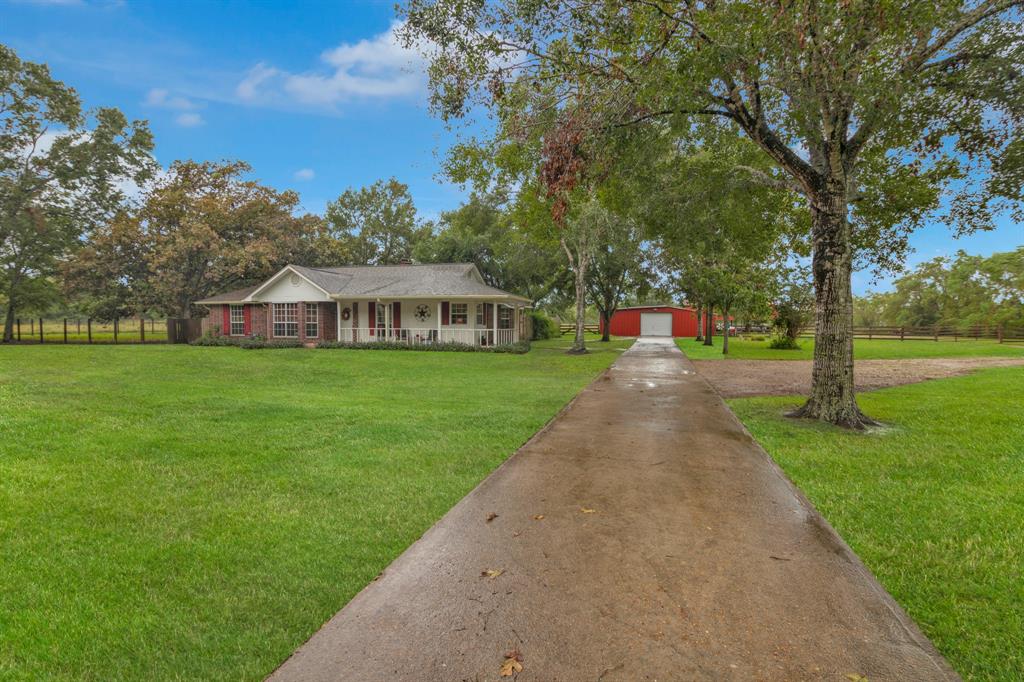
234	296
427	280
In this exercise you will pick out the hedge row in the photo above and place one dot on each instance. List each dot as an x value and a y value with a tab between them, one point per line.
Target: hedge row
257	342
519	347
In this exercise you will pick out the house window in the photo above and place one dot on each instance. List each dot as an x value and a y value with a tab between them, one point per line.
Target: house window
312	320
382	316
237	320
504	318
286	320
460	313
479	314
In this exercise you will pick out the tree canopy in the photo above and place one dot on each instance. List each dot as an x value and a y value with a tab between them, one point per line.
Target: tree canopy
868	110
63	170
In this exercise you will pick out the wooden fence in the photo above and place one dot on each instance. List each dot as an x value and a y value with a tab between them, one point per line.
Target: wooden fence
571	328
946	333
85	330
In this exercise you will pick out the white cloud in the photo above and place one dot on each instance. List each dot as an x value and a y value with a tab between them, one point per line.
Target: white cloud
189	119
249	87
305	174
159	97
378	67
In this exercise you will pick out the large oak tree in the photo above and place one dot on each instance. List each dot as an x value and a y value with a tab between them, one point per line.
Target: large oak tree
62	171
870	109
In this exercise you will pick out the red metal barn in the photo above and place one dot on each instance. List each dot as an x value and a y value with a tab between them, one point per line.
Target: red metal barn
654	320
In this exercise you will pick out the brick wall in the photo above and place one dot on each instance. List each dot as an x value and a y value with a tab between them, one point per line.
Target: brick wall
261	321
213	322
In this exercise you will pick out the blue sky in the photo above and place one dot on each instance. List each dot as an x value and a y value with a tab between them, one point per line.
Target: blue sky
316	96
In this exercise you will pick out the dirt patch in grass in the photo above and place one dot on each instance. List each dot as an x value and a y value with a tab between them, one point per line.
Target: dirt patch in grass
747	378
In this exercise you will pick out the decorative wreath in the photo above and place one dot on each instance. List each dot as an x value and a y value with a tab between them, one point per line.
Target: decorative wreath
345	313
422	313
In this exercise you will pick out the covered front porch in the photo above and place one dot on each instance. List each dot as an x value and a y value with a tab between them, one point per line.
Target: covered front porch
472	322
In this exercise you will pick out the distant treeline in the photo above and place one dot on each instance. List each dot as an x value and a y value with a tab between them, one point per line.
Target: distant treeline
963	291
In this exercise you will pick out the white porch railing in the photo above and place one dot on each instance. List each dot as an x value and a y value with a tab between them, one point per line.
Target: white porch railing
415	336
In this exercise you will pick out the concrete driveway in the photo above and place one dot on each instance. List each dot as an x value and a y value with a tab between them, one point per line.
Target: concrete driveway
642	536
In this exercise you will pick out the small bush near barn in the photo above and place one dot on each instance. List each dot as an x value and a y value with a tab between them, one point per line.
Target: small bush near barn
783	342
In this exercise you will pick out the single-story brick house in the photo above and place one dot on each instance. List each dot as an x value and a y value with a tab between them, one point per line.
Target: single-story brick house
415	303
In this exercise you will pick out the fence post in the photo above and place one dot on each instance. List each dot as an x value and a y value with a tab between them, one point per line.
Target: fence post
88	327
40	330
78	326
142	330
65	330
115	330
18	321
936	332
901	332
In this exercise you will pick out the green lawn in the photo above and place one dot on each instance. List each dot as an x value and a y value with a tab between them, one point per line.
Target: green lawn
169	512
933	505
863	349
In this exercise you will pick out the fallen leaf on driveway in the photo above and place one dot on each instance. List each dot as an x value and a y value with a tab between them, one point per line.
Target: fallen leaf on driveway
538	517
588	511
512	664
492	572
856	677
491	517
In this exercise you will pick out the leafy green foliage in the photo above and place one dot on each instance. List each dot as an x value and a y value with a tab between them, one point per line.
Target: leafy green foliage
373	225
543	326
783	342
61	172
483	232
961	292
203	228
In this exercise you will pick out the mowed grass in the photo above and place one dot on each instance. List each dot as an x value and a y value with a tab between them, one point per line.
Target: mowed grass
863	349
169	512
933	504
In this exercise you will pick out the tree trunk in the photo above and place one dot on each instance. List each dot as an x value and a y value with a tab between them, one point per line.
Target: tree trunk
725	331
606	334
579	344
709	324
578	265
9	321
832	396
700	322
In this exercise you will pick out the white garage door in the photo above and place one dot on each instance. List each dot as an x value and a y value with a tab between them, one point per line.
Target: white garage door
655	324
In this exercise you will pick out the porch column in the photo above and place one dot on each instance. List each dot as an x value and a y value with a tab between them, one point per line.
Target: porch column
439	321
337	320
494	323
515	324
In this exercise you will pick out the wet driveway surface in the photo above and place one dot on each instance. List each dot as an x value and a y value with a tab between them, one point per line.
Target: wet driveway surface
642	536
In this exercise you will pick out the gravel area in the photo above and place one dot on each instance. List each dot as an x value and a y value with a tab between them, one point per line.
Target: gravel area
745	378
